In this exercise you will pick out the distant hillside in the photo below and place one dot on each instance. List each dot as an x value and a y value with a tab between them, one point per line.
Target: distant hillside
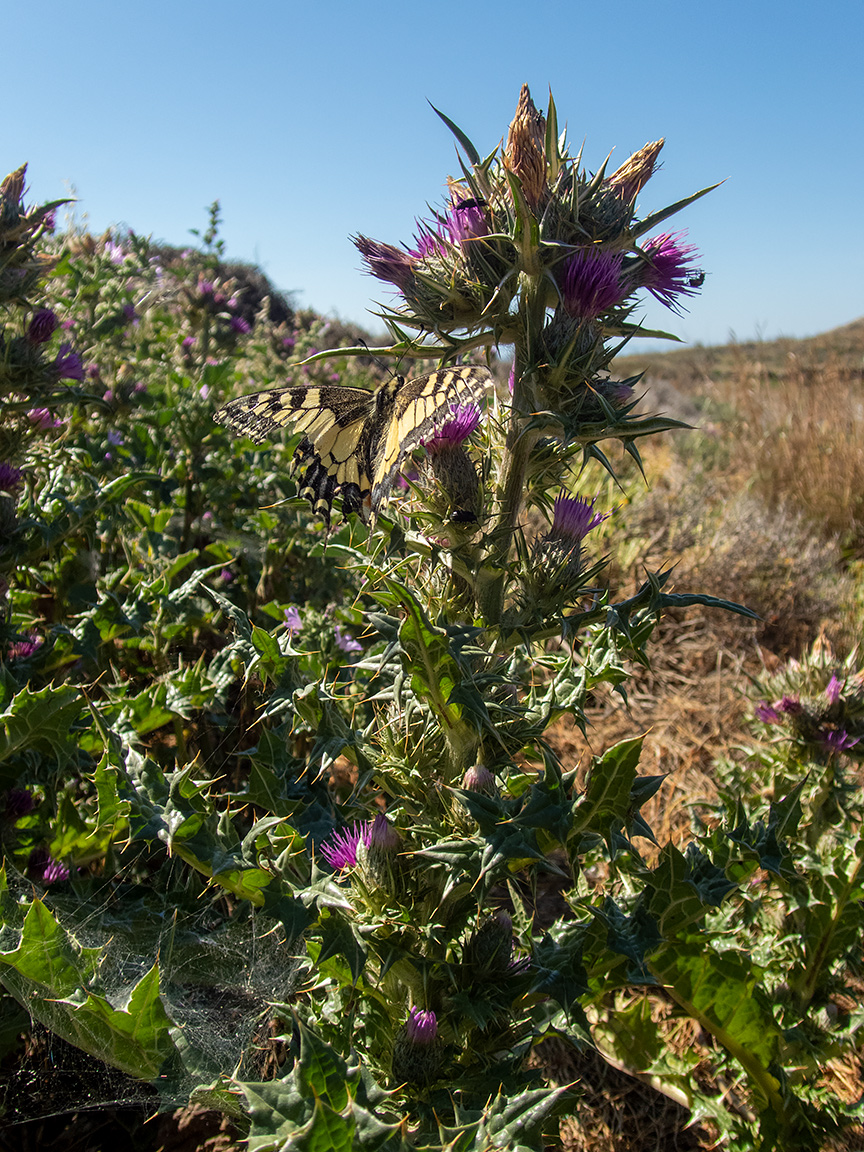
843	348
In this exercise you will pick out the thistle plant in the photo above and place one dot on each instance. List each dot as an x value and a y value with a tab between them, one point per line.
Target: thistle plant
351	773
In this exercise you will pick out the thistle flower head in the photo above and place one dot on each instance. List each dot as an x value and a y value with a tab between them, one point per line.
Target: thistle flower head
590	282
832	691
629	180
525	153
421	1027
293	622
455	431
347	642
340	849
68	364
387	262
573	518
10	477
839	741
42	866
42	326
381	835
667	274
19	802
766	713
467	220
478	778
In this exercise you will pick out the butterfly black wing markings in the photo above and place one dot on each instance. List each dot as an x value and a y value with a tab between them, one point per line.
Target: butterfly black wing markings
355	441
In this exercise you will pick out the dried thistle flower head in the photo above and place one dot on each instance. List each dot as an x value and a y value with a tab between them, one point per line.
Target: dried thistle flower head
629	180
525	154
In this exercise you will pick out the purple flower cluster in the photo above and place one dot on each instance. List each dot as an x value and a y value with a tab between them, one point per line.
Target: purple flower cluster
814	722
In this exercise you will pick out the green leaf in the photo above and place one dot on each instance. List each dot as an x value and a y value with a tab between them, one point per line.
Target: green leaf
39	720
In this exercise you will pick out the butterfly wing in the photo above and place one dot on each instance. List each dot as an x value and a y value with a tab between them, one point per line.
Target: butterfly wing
334	451
419	408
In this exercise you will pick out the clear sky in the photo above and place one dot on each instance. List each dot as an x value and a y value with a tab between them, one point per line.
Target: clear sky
309	122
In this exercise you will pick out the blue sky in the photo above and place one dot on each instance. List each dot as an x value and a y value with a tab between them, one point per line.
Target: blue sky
310	122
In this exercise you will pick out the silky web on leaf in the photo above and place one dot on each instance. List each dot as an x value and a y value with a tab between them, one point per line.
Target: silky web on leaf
218	978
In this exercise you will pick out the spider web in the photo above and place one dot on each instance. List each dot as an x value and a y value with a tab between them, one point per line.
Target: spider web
220	971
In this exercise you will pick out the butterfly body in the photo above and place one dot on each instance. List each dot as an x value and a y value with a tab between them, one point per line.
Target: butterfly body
355	441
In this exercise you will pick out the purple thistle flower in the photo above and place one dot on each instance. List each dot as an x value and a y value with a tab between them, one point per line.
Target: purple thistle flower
430	241
114	252
240	325
188	342
288	343
590	282
478	778
467	221
108	396
42	866
573	518
21	650
340	850
838	741
382	835
293	623
387	262
421	1027
346	642
10	477
42	327
19	802
42	419
130	314
832	692
667	274
68	365
768	715
791	705
453	432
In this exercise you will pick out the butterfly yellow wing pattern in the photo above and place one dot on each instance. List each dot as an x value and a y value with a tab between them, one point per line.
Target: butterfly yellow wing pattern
355	441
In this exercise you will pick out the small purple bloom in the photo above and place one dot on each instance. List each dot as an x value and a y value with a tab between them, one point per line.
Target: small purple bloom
387	262
832	692
668	274
227	575
839	741
43	867
288	343
115	252
188	342
431	241
381	834
19	802
573	518
340	850
467	221
43	419
93	371
115	438
130	313
49	220
346	642
204	391
478	778
240	325
108	396
42	327
465	421
421	1027
68	365
293	623
206	288
768	715
10	477
791	705
590	282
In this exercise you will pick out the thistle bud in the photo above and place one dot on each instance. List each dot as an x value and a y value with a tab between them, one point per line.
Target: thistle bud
629	180
453	468
479	779
525	154
378	855
417	1053
490	949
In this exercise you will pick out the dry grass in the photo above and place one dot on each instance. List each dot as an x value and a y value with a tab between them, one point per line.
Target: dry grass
763	504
